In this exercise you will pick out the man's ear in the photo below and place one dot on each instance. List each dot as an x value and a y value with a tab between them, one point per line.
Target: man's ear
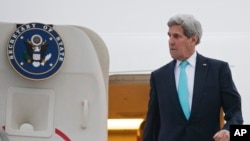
194	39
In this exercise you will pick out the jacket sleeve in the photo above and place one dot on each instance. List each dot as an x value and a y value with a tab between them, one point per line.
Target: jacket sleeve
231	99
152	124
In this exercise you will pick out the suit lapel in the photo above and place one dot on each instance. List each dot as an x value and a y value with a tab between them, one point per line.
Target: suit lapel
200	77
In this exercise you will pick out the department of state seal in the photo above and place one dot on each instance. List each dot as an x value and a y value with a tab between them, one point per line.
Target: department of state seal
35	51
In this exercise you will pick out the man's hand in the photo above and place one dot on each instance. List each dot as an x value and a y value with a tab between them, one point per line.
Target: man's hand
222	135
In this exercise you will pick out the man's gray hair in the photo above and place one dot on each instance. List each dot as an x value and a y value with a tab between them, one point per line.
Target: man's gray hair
190	25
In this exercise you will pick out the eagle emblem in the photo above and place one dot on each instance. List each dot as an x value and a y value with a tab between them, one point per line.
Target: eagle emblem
36	51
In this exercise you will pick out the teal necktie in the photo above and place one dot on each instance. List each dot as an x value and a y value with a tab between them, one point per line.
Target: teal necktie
183	89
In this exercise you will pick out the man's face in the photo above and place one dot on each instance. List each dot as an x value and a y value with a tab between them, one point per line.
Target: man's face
180	46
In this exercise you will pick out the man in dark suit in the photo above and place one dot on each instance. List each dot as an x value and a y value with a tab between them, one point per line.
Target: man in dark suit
210	88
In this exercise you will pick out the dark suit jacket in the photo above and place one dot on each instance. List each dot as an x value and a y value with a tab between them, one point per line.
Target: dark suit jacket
213	88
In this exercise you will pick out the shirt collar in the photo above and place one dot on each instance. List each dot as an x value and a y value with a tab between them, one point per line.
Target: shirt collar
191	60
